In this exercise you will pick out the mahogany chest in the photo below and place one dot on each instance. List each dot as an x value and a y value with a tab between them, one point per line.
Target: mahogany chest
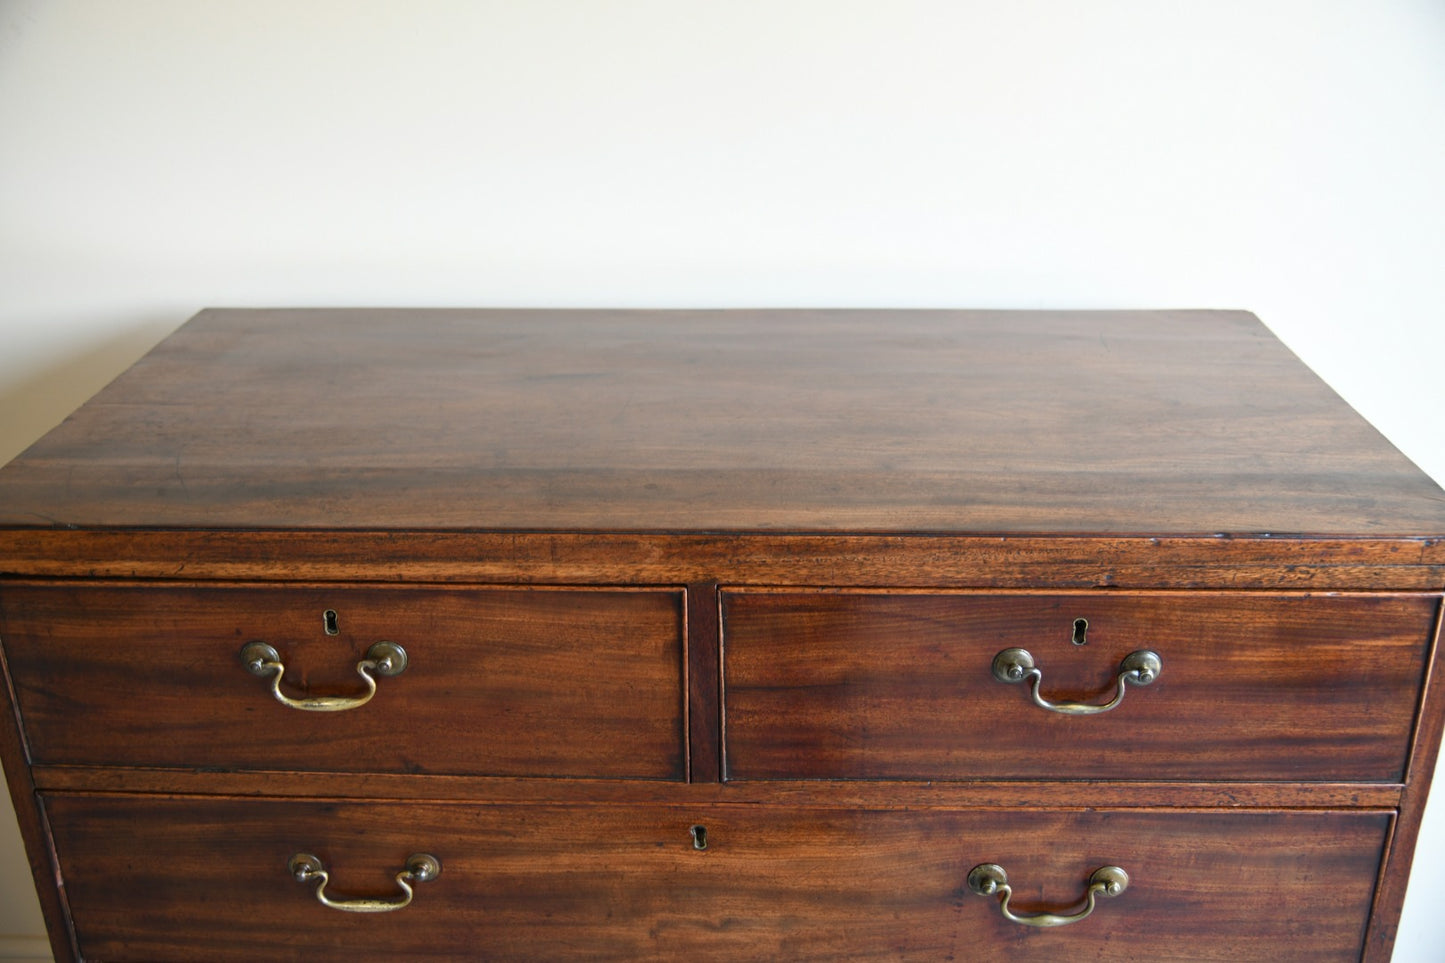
719	635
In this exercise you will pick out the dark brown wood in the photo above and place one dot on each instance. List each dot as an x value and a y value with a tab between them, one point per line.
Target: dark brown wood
1397	564
1399	855
34	829
608	883
500	681
814	793
1159	422
627	549
704	684
1254	687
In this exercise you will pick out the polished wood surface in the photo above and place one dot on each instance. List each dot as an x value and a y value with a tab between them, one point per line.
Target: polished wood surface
740	569
704	683
844	421
856	793
607	883
539	682
34	828
856	685
1390	897
957	561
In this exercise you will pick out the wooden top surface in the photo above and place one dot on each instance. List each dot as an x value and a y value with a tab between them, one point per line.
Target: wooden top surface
1110	423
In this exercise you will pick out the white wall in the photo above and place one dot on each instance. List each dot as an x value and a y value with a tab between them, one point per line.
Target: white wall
1287	156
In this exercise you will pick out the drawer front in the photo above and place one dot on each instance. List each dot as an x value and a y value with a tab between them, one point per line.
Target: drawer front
187	879
1250	687
497	681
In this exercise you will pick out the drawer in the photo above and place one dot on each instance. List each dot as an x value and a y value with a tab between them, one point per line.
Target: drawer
206	878
862	685
497	681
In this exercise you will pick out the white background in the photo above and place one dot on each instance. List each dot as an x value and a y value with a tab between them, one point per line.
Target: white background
1286	156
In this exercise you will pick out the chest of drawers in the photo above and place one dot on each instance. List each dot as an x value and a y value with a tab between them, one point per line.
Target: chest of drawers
607	635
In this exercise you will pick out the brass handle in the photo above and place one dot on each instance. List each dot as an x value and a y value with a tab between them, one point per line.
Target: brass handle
989	879
420	868
1016	665
383	658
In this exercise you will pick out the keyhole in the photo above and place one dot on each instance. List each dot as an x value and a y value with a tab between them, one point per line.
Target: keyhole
699	837
1080	627
328	622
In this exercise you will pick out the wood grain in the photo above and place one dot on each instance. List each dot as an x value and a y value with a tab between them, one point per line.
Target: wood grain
1150	423
632	553
857	685
811	793
543	682
34	828
704	684
943	561
1395	871
182	879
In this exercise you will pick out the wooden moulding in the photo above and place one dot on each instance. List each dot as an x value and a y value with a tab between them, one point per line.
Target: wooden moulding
923	560
988	794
